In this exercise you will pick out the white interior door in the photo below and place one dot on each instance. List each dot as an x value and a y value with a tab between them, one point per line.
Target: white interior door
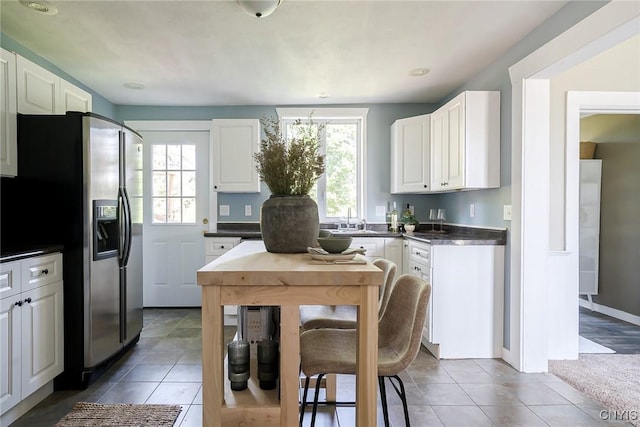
176	203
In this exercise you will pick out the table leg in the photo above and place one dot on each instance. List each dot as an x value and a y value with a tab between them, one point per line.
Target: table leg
212	356
367	358
289	364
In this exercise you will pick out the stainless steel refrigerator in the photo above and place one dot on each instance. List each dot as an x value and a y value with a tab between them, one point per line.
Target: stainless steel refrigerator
80	176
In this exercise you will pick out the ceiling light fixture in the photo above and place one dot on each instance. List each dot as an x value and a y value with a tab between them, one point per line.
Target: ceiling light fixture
134	85
323	95
40	6
259	8
417	72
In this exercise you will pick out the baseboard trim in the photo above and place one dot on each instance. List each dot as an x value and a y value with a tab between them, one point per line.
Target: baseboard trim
613	312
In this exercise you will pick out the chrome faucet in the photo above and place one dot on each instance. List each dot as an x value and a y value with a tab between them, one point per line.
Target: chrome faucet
348	217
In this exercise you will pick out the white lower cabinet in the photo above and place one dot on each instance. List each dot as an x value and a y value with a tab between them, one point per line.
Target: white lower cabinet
465	313
214	248
31	332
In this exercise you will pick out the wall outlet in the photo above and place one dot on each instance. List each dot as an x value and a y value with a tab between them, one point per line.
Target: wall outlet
412	209
381	211
224	210
247	210
507	213
472	210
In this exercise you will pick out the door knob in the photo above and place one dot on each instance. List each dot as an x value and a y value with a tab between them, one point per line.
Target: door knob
205	220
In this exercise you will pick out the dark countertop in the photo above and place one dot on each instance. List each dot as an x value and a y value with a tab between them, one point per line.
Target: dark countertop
18	253
454	235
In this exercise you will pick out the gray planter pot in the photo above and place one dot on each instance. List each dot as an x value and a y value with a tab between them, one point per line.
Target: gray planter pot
289	224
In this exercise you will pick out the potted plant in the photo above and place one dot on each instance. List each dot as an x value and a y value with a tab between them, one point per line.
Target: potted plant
409	221
290	167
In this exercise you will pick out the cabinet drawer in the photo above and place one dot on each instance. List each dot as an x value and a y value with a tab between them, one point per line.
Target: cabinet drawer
10	279
420	270
374	246
420	253
39	271
216	246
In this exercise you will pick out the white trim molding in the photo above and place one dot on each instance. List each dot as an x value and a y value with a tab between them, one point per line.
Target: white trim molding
530	258
611	312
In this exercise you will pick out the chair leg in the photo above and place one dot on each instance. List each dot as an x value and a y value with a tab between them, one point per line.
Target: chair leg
403	396
303	404
383	399
315	400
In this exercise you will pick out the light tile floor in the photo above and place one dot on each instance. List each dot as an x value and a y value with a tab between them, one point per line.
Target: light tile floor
165	367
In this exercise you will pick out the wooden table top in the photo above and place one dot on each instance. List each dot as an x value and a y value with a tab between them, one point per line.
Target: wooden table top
249	264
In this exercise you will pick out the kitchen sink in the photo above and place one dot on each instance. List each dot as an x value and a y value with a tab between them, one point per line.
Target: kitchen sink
353	231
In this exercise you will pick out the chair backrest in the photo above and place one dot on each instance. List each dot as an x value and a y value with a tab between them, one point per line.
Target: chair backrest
389	269
401	325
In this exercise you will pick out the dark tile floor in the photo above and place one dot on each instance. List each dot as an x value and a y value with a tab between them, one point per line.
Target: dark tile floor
165	367
620	336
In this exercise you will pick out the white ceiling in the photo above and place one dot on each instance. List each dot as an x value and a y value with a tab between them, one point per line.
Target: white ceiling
212	53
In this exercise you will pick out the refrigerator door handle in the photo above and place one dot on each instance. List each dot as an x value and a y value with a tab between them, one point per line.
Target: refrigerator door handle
124	215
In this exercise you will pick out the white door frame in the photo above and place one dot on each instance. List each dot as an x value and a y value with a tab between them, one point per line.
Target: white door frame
530	250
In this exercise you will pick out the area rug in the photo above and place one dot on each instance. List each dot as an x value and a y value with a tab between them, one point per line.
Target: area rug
120	415
611	379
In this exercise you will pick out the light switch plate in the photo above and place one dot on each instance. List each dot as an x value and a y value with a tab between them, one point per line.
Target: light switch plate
380	211
507	213
224	210
472	210
247	210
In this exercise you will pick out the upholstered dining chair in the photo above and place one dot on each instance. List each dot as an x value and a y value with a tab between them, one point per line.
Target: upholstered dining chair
333	351
344	316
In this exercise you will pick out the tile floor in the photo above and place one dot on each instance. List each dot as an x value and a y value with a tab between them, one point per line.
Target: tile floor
165	367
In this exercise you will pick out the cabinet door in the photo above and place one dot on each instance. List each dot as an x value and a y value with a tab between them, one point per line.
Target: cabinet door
9	353
455	154
8	110
447	142
42	336
38	89
233	143
374	247
72	98
405	257
393	251
410	153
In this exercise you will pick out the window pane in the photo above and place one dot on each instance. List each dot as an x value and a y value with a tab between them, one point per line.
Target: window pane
188	184
159	210
159	160
341	169
189	209
159	184
174	210
173	184
173	157
188	157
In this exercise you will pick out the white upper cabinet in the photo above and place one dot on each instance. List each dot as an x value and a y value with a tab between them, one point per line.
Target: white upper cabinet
233	143
465	142
8	110
42	92
73	98
410	152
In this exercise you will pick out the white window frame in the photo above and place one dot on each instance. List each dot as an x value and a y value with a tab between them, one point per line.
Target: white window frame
338	115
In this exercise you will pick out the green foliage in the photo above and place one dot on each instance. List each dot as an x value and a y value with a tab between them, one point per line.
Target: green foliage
290	166
408	218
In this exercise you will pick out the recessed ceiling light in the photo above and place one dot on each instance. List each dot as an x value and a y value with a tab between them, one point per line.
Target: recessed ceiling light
323	95
40	6
134	85
417	72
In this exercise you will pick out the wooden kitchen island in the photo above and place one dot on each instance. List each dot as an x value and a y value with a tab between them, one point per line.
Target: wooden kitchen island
248	275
